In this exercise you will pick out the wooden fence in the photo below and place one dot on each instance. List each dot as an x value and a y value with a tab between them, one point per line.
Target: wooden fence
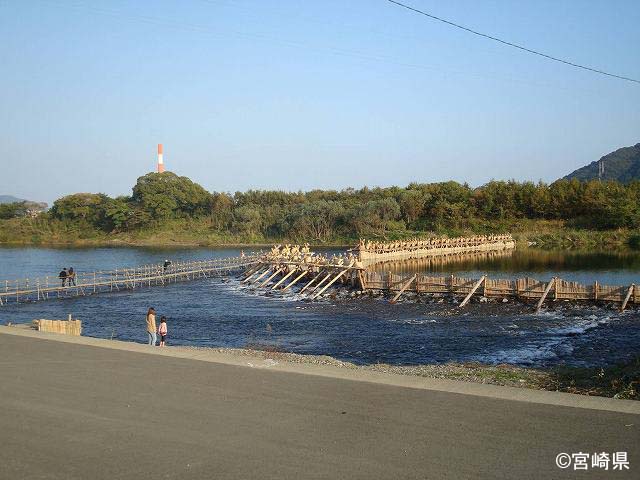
522	288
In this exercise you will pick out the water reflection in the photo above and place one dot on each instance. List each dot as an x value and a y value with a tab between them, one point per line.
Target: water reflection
445	263
611	268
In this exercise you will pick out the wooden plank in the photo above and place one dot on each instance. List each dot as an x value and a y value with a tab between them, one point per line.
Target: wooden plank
363	285
546	292
626	299
312	281
293	270
261	275
251	272
331	282
315	287
473	290
291	284
271	277
404	287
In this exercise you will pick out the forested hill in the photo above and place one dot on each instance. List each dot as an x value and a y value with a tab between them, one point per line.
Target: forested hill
622	165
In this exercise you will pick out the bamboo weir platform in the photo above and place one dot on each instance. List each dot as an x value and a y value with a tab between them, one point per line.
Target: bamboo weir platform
364	268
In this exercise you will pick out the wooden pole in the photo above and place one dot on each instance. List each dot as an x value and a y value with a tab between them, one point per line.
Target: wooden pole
363	284
546	292
271	277
293	270
473	290
319	283
261	275
333	280
626	299
246	280
251	271
291	284
312	281
404	287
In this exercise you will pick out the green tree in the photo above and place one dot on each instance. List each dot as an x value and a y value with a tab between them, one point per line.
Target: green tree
316	220
221	208
118	213
12	210
166	195
82	207
412	205
374	216
247	220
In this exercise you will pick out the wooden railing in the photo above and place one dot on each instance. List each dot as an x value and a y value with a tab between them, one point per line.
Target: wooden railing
85	283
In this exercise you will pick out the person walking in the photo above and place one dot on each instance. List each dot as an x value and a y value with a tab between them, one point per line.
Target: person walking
71	276
63	276
162	330
151	326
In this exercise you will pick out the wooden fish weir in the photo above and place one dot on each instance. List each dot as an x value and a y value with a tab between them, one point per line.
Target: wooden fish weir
89	283
273	275
381	258
526	289
371	269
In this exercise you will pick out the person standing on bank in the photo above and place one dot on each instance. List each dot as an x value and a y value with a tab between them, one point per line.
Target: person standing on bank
63	276
151	326
162	330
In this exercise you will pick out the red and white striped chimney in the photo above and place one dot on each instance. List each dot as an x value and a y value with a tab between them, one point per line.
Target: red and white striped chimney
160	160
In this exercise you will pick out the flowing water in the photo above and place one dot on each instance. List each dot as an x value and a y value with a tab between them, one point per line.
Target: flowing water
221	312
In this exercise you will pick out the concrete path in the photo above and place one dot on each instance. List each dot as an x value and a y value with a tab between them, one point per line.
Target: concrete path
71	409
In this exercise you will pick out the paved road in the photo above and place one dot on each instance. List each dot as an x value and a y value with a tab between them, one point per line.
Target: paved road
81	412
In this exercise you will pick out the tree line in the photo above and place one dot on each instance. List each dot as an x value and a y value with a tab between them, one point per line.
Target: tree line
320	215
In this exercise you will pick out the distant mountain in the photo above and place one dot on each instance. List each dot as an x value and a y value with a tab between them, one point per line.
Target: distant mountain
10	199
622	165
27	207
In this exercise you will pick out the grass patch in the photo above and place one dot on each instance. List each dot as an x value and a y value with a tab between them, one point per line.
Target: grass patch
617	381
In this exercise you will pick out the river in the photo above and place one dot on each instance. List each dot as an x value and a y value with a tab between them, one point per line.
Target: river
222	313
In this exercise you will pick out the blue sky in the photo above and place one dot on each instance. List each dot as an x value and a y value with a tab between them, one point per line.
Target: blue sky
303	94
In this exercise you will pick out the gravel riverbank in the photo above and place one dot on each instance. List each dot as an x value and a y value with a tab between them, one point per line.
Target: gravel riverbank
620	381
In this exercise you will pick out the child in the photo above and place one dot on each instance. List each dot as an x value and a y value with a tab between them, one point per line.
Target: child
162	330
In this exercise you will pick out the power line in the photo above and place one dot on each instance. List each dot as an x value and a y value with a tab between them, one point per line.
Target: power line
520	47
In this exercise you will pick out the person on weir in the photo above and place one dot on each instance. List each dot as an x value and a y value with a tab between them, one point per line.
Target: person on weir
63	276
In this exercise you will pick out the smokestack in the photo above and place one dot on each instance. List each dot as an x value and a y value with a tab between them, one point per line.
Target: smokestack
160	161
